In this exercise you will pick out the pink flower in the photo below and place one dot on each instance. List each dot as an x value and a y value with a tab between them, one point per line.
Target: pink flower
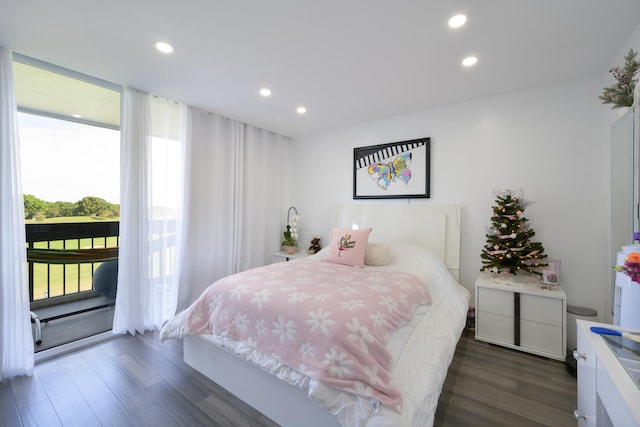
631	267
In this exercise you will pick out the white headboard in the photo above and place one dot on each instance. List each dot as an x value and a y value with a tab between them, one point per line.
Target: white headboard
431	226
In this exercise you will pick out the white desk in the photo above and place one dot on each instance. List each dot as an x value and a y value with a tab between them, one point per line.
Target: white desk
607	394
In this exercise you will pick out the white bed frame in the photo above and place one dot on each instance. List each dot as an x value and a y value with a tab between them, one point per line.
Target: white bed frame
435	227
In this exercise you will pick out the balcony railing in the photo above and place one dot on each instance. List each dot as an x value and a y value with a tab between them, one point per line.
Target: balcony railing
61	280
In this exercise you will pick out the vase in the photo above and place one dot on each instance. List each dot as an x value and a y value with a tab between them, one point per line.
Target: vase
627	294
620	111
289	249
627	249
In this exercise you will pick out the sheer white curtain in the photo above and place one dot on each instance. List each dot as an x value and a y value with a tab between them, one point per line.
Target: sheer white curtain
233	200
229	219
261	172
208	239
16	341
152	144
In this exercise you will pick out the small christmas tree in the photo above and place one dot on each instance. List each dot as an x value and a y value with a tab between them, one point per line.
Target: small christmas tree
509	246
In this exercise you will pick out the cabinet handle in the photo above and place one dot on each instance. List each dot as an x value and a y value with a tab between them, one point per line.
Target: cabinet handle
579	415
579	356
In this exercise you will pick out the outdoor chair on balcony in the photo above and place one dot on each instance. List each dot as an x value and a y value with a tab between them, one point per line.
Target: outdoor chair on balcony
104	282
105	279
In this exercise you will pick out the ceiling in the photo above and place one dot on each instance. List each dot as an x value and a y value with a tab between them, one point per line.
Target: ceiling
347	61
55	94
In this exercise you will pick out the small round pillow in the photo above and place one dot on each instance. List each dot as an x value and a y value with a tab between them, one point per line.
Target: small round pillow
377	254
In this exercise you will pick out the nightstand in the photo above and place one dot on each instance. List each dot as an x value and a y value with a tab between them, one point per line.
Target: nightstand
515	311
282	256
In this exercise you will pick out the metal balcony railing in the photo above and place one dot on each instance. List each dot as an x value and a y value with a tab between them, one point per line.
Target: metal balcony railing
57	272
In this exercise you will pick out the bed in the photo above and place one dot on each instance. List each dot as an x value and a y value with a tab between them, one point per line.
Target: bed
414	245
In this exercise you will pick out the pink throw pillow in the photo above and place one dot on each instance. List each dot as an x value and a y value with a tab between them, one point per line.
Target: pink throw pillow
348	246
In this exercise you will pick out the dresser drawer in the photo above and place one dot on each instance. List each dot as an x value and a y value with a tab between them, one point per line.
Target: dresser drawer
495	301
541	337
494	327
539	309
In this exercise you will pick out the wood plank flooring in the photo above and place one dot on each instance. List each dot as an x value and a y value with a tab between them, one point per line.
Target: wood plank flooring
489	385
136	381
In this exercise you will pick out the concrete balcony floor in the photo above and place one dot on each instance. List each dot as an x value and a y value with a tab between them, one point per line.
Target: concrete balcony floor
72	328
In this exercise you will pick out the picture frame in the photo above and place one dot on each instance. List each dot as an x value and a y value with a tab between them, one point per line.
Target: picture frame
550	274
396	170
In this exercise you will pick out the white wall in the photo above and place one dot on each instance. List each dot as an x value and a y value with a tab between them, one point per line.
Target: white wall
547	140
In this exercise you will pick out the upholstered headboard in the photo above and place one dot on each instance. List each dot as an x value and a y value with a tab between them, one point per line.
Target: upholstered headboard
431	226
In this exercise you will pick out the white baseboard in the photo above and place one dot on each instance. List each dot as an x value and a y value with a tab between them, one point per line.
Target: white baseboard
73	346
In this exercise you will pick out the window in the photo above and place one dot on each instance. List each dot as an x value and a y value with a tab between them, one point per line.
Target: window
70	154
69	169
70	142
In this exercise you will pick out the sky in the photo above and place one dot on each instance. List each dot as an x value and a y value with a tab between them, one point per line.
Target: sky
66	161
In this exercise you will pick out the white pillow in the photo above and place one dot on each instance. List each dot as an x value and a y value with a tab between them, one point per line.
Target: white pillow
377	254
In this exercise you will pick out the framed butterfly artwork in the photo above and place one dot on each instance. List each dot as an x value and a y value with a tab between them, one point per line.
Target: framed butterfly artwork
392	171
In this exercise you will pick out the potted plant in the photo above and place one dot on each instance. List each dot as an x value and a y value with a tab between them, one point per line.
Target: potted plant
621	93
290	241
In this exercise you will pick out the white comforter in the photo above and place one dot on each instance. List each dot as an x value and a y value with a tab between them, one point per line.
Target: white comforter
421	349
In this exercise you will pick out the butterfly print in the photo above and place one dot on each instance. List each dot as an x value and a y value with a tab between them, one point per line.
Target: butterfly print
386	173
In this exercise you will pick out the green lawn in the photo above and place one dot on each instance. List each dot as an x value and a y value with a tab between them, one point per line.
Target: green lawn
77	279
71	219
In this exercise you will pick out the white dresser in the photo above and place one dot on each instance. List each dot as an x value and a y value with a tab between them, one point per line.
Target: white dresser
608	395
516	312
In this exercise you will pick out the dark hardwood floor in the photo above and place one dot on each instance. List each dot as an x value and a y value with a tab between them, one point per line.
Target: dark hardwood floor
488	385
136	381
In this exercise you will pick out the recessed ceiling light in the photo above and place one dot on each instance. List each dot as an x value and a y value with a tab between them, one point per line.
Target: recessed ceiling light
457	21
265	92
164	47
77	116
469	61
301	110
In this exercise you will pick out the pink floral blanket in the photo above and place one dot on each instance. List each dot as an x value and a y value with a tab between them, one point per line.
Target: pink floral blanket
328	321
